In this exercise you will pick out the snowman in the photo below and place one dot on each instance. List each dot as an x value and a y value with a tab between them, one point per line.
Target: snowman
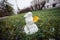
30	27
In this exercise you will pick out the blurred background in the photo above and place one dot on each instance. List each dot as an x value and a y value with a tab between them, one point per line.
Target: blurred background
12	19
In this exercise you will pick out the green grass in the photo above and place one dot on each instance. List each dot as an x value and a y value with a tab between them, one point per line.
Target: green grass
49	18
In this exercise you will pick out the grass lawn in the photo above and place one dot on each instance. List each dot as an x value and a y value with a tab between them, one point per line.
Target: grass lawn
48	24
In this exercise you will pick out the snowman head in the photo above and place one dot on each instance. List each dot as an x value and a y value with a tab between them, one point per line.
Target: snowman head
29	14
28	18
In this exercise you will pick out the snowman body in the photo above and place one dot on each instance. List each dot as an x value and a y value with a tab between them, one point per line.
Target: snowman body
30	27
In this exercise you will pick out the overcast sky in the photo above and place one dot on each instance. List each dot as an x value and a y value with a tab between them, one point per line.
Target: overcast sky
21	3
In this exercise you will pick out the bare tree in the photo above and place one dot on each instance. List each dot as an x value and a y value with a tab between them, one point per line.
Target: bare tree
38	4
3	11
35	5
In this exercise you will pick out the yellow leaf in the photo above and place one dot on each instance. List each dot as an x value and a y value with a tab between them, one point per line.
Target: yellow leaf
35	18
